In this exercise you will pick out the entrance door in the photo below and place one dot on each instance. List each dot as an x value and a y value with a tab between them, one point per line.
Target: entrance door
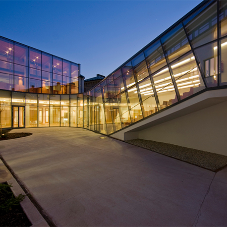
97	118
18	116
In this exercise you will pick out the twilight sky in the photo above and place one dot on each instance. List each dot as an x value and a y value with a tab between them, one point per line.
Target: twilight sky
100	35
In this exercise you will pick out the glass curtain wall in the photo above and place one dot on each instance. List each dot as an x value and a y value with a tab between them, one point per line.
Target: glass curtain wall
26	69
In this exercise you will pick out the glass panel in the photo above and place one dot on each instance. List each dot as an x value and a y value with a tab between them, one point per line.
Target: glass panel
5	107
20	70
155	57
66	68
223	62
80	116
35	74
35	86
46	62
116	74
56	88
57	65
187	76
43	110
20	83
64	100
64	116
15	116
34	58
57	78
55	116
73	116
141	71
119	85
74	72
165	89
108	118
55	100
207	57
202	27
47	76
18	99
6	81
223	17
73	100
31	110
6	50
175	43
147	96
31	99
21	54
46	88
21	116
74	88
6	67
128	75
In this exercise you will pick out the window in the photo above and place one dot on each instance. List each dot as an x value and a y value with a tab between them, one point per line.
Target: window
211	67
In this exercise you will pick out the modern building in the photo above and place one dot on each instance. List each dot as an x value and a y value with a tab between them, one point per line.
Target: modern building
92	82
173	90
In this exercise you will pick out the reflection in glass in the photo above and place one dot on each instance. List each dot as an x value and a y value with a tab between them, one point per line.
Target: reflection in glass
6	50
20	54
20	83
34	86
34	58
6	67
46	62
5	106
57	65
6	81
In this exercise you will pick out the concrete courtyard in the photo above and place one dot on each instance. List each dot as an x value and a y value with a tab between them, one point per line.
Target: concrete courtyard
80	179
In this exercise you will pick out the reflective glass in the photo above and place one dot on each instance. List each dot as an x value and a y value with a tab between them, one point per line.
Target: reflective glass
73	100
57	65
46	87
20	83
207	57
80	116
6	81
18	99
164	88
141	71
202	27
57	78
74	72
20	54
43	116
187	76
55	100
5	106
34	86
6	67
128	75
66	68
175	43
119	85
64	116
20	70
55	116
56	88
34	58
47	76
223	17
34	74
223	62
116	74
6	50
155	57
73	116
46	62
31	110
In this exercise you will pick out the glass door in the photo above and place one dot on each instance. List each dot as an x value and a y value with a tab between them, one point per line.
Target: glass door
18	116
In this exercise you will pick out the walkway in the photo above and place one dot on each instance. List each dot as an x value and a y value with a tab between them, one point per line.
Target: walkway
82	180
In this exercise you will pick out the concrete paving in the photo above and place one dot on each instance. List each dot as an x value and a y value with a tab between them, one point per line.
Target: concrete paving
82	180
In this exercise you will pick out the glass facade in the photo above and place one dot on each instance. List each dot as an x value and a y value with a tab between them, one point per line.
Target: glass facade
187	59
26	69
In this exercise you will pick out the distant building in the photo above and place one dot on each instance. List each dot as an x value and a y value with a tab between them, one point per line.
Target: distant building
91	82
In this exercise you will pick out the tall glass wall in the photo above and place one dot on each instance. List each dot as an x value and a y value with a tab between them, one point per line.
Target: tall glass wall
25	69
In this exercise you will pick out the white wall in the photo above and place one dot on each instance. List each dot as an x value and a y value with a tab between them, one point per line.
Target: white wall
205	129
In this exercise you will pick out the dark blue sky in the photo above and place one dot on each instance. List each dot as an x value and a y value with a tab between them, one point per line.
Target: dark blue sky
100	35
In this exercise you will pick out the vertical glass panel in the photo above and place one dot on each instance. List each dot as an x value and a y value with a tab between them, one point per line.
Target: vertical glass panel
20	84
223	62
80	116
18	99
20	70
74	72
66	68
202	25
6	81
74	88
73	100
147	95
123	105
15	117
119	85
128	75
55	100
43	100
64	100
155	57
223	17
34	58
43	110
136	113
208	62
46	87
111	89
57	65
85	112
56	88
55	113
64	116
6	67
165	89
57	78
187	76
5	107
141	71
46	62
175	43
108	118
73	116
6	50
21	54
47	76
31	110
21	116
35	74
66	85
34	86
138	59
116	74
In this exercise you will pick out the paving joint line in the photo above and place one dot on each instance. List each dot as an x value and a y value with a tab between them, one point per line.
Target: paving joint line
29	195
199	212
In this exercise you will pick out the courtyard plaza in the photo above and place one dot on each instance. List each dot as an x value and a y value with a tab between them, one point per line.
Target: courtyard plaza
81	178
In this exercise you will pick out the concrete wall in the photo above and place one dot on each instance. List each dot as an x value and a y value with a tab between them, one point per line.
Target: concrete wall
205	129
